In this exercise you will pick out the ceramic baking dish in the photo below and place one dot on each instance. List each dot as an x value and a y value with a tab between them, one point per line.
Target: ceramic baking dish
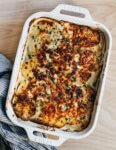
84	18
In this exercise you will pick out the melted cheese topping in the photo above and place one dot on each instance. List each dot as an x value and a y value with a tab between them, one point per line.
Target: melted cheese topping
58	74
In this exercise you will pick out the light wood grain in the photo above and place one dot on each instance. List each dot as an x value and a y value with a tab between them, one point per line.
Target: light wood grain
12	16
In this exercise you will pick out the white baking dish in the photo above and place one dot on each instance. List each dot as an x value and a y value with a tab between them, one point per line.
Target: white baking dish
31	127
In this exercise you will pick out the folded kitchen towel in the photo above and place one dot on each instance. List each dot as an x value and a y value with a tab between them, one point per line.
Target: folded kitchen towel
14	137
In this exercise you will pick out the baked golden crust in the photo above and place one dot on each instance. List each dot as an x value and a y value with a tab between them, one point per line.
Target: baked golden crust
58	74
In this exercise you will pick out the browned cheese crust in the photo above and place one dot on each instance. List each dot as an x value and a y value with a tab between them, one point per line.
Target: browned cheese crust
61	65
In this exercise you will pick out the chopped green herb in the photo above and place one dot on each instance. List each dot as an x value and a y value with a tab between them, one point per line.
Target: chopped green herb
50	32
34	39
82	117
30	56
41	100
38	27
73	79
64	107
68	119
60	94
54	46
68	87
52	79
49	63
49	51
51	67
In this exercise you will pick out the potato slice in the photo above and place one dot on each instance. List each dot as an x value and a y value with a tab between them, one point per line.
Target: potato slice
27	68
22	86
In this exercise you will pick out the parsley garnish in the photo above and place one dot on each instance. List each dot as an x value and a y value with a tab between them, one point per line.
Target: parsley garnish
50	32
30	56
38	28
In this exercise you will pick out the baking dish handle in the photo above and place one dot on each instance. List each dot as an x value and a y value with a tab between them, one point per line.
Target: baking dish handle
43	140
75	9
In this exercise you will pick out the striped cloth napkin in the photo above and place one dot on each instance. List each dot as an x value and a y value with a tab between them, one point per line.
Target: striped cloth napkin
15	138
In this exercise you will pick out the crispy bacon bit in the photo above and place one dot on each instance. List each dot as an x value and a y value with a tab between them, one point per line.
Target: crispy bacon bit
85	75
41	56
23	98
81	37
86	58
79	92
60	68
43	31
43	22
76	40
49	109
87	43
49	51
38	75
71	74
67	57
92	67
52	70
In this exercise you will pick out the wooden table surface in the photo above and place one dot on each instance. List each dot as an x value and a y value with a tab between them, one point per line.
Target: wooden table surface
12	16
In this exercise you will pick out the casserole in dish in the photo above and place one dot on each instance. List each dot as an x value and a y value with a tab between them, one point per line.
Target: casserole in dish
56	75
61	64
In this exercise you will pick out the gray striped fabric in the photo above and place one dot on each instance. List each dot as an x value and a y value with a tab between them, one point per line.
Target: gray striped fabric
14	137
